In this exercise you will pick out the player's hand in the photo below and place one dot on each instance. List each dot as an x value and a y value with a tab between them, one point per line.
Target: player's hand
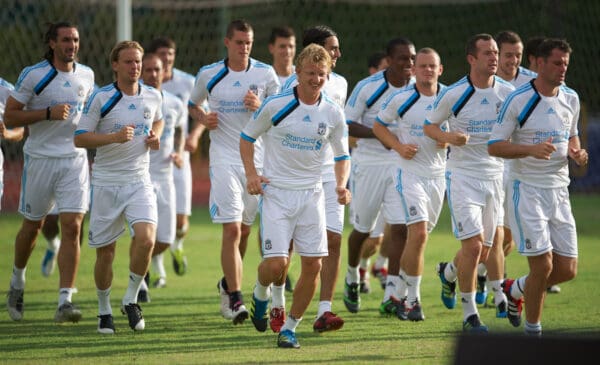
152	140
191	144
60	112
542	151
251	101
254	184
580	156
177	159
125	134
408	151
2	130
458	138
211	121
344	195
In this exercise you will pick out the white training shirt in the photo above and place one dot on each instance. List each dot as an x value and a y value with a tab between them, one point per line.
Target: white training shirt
181	85
108	111
336	88
225	90
5	89
406	110
295	136
529	118
523	76
362	108
161	164
41	86
472	111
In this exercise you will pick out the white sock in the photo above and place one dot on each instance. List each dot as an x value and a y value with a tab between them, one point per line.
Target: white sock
177	244
402	289
496	287
518	288
158	265
450	272
291	323
144	285
481	269
53	244
104	301
17	279
352	276
468	304
135	281
381	262
278	296
261	292
414	288
391	287
364	263
64	295
324	306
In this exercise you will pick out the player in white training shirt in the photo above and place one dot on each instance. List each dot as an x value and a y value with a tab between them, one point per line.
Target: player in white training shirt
336	87
48	99
162	160
372	181
6	133
234	87
297	125
418	176
473	177
282	46
537	128
122	120
179	83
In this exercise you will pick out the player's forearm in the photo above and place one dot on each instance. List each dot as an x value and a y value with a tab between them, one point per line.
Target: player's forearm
247	154
158	127
178	141
574	143
506	149
360	131
387	138
94	140
14	118
342	172
434	132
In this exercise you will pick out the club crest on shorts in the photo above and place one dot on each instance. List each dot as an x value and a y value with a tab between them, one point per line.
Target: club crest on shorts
146	112
412	211
268	244
528	243
460	226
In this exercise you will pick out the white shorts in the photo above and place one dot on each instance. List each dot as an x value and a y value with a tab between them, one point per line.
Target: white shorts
183	186
136	202
165	206
334	211
293	214
379	228
229	199
422	197
474	206
50	181
373	191
541	220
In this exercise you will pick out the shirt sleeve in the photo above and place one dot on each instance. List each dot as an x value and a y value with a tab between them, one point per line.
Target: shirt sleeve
356	106
259	123
505	124
91	115
23	89
199	92
442	108
339	137
387	115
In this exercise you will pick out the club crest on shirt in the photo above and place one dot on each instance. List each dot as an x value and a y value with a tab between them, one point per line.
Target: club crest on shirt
146	113
322	129
81	91
498	106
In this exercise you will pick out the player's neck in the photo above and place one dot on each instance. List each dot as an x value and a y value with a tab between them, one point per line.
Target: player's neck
427	89
238	65
308	97
481	81
505	76
397	80
545	88
128	87
63	66
168	75
283	69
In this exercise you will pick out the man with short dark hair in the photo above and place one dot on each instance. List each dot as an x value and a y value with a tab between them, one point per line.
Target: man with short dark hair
234	87
474	178
537	129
